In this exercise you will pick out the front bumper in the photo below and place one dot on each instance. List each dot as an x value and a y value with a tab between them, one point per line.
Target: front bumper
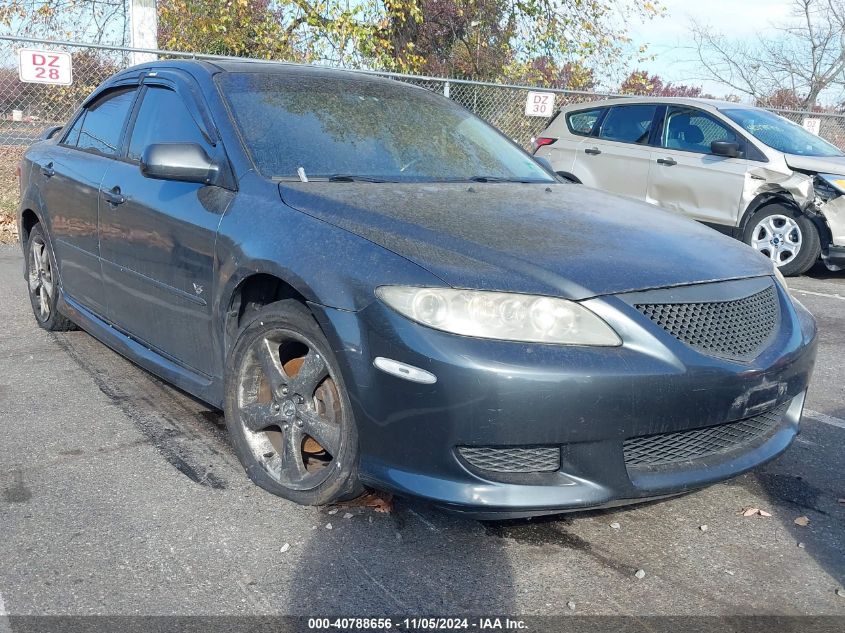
586	401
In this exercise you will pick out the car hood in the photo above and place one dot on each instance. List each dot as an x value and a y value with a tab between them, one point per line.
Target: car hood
817	164
558	239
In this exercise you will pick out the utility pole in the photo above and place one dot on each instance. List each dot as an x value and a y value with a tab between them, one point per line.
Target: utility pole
143	28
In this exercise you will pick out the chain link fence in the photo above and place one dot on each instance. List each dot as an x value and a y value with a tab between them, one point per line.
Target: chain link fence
27	108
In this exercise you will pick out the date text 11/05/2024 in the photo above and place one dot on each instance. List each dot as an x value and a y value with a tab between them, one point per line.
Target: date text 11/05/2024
417	624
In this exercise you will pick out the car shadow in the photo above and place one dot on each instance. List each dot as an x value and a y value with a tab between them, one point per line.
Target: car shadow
415	560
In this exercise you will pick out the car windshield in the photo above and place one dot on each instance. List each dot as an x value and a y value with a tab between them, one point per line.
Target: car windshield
781	134
359	128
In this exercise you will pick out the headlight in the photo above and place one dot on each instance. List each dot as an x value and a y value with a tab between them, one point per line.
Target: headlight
828	186
500	315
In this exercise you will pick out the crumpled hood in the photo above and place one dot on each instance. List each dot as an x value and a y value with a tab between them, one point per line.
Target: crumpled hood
818	164
559	239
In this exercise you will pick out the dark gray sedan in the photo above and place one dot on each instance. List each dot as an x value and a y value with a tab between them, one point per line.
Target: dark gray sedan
380	289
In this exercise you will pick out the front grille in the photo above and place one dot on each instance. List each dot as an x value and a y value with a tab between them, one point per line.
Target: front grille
516	459
735	330
671	448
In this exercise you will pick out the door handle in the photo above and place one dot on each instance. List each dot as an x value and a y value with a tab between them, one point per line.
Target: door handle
113	196
593	151
48	170
667	161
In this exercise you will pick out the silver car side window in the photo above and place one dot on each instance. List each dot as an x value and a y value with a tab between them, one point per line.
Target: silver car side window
691	130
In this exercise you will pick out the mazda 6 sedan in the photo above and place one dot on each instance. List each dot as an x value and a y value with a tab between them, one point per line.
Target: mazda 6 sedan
379	289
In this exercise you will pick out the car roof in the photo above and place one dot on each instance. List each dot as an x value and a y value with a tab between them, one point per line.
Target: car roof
705	104
216	66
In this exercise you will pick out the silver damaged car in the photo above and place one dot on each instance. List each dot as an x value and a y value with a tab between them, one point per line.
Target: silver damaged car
739	169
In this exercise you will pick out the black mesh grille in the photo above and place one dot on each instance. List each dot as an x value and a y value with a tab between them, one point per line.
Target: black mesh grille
518	459
670	448
736	330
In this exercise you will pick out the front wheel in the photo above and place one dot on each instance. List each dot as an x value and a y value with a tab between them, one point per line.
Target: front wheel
287	410
785	236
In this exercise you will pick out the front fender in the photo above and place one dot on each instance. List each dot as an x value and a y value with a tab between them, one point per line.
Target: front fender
327	265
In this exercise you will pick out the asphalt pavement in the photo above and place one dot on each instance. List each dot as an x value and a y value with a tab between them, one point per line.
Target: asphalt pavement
121	495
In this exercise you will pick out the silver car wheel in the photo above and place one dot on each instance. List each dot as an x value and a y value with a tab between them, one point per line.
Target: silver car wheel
778	237
40	278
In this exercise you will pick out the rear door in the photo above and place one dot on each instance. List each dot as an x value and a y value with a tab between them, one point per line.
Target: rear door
157	237
562	141
70	190
687	178
617	159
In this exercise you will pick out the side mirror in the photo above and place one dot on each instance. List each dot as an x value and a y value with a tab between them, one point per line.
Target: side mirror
728	149
50	132
185	162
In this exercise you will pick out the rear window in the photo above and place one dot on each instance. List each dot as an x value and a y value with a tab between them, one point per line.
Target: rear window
628	124
332	126
103	123
583	122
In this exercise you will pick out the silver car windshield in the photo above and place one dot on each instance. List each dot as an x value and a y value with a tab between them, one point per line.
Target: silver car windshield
781	134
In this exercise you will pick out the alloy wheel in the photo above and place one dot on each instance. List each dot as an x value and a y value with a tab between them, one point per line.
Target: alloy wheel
290	409
778	237
40	278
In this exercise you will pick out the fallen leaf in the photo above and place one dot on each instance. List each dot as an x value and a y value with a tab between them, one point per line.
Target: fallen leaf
763	513
802	521
348	515
378	501
750	512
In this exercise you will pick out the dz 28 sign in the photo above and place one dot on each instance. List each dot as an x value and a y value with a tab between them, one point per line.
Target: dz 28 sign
44	67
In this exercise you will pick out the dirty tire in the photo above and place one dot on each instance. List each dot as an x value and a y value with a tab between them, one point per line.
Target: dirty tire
43	282
287	410
810	249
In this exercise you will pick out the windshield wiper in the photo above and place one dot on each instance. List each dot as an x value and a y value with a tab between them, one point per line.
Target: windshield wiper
353	178
492	179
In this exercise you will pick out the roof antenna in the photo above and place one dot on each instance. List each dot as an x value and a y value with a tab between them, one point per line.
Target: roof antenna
301	173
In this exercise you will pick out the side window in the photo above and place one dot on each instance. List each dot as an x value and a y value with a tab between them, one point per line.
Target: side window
163	118
104	120
628	124
583	122
692	130
72	137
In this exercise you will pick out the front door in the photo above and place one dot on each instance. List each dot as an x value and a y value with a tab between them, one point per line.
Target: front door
157	239
687	178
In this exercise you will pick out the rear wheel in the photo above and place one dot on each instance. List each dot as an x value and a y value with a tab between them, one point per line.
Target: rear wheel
287	410
785	236
42	279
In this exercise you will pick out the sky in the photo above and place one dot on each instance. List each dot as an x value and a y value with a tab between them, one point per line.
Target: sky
669	38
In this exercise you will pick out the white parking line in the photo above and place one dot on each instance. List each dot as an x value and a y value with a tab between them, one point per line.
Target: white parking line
825	418
819	294
5	627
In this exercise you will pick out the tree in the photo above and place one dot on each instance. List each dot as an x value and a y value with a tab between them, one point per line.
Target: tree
97	21
639	82
472	38
806	55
